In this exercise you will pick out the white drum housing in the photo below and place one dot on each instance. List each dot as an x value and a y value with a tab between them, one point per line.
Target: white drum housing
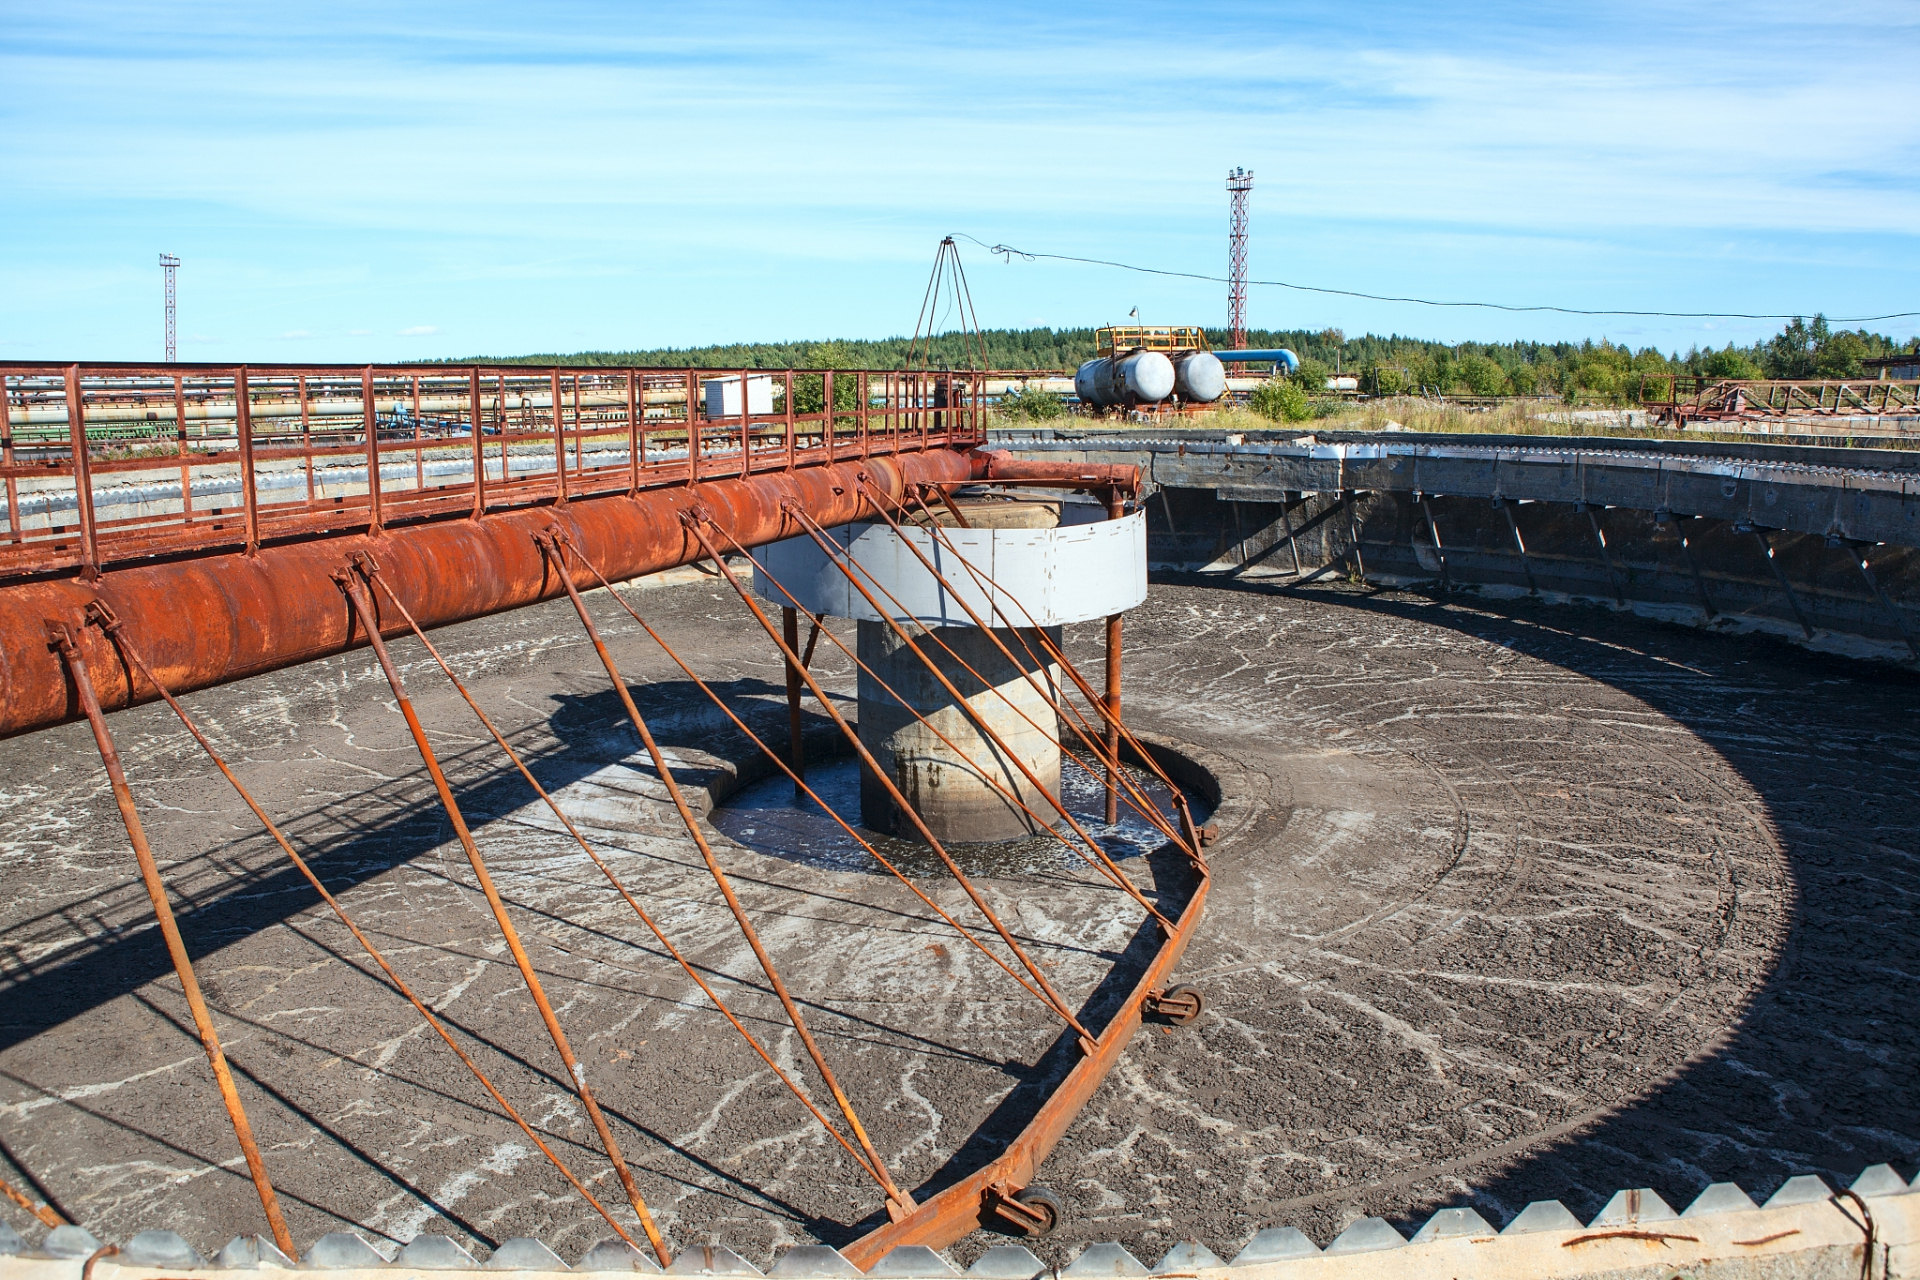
1030	580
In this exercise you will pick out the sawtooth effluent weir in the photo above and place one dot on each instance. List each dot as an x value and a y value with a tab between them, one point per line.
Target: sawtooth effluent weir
1529	911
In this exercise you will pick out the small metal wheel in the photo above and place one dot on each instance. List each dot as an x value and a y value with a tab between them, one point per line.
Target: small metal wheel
1179	1005
1046	1204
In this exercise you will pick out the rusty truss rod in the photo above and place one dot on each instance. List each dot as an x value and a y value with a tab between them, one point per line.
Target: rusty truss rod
62	639
899	1203
1099	860
587	848
112	627
893	791
1136	799
799	781
350	581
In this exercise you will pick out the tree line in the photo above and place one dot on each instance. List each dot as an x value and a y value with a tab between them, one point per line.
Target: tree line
1389	364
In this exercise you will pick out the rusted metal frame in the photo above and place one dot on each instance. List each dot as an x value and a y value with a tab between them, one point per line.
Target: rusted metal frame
14	532
419	444
1052	996
960	1209
1100	861
636	456
1606	555
243	432
1858	550
1116	507
787	403
44	1212
898	1201
500	415
800	783
82	476
306	438
559	443
1433	529
479	444
351	581
614	880
107	623
371	413
746	428
62	638
693	430
864	387
1780	578
1137	799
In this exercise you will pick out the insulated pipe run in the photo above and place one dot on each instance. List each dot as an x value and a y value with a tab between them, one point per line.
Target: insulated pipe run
208	620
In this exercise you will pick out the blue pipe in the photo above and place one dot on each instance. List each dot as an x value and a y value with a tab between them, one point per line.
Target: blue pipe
1273	355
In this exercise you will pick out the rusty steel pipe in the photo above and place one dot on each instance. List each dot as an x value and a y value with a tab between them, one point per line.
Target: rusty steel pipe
208	620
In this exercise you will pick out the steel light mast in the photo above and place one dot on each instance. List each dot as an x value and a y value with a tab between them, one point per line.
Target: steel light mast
168	265
1239	183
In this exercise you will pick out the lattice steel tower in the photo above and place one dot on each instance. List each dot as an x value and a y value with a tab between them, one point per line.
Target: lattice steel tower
168	264
1239	182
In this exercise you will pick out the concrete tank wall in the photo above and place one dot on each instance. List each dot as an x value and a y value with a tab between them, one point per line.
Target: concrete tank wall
954	791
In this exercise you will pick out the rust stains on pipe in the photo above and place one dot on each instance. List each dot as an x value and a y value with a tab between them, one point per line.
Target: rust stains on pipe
208	620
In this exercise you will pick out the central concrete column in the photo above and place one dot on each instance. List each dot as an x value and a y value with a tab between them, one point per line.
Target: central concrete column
949	790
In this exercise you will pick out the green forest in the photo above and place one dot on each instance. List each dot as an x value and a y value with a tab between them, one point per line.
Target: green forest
1385	365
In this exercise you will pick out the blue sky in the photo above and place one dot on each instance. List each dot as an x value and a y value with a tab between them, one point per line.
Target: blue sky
393	181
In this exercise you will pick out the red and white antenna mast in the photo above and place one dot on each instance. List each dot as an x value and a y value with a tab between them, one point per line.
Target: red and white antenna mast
1239	182
168	265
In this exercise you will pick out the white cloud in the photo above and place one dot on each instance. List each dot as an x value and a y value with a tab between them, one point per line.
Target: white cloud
297	333
419	330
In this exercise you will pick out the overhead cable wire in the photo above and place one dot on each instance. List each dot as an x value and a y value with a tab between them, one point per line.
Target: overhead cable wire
1008	253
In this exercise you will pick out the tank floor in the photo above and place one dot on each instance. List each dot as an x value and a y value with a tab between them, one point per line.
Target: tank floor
1516	912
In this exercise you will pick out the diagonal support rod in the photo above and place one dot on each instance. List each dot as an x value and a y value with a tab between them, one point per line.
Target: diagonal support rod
798	782
63	640
614	880
1100	861
98	613
1087	1041
350	582
899	1203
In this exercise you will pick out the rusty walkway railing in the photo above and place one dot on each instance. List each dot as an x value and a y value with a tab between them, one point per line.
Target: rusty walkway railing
107	464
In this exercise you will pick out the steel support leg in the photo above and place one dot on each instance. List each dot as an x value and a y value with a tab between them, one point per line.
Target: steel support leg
790	629
1858	551
1526	566
1780	578
1286	518
1606	558
1353	533
1446	580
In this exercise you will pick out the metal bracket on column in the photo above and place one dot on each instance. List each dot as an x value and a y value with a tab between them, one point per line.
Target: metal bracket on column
1446	579
1858	550
1606	556
1780	579
1526	566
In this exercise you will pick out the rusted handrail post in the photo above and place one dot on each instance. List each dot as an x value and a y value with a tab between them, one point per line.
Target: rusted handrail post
635	411
6	461
82	475
243	435
479	443
370	412
62	639
559	442
351	583
1116	507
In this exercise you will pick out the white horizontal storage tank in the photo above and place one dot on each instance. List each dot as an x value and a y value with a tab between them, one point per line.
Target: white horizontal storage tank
1142	377
723	396
1199	377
